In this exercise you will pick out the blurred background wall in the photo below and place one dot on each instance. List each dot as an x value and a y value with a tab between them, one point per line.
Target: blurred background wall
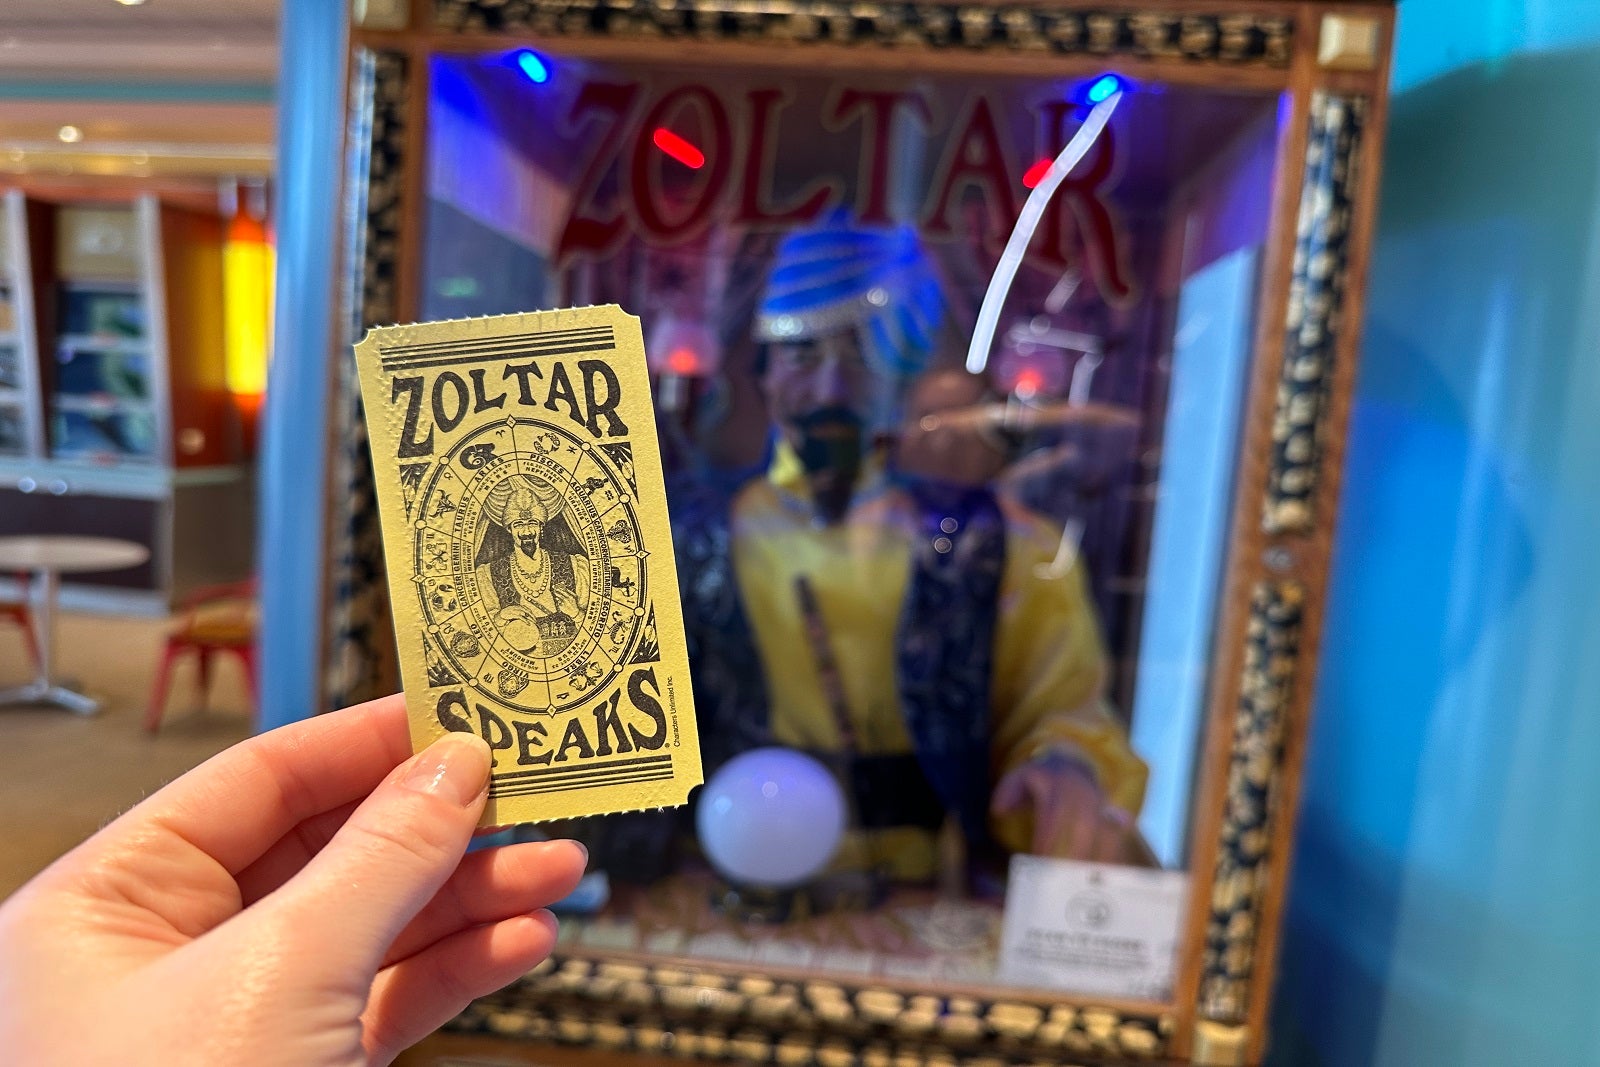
1443	906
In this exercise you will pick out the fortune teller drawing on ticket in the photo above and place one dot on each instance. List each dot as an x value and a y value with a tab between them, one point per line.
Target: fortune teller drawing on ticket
531	566
895	626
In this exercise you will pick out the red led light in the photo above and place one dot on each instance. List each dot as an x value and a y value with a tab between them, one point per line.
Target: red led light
678	148
683	361
1036	173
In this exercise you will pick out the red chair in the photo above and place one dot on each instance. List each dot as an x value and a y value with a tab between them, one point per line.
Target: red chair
218	619
19	614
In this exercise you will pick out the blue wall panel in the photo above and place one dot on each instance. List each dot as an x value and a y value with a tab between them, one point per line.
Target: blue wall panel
1442	905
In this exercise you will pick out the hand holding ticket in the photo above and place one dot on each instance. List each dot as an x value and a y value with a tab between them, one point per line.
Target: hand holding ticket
530	557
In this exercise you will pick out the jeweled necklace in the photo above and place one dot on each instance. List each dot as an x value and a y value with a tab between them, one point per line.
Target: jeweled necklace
531	589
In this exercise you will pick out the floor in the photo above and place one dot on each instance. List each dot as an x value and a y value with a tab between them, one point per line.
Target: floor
61	776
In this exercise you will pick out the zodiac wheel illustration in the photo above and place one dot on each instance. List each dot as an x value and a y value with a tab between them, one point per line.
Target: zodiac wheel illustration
529	566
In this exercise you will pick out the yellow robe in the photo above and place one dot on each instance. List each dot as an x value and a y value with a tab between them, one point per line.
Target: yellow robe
1049	664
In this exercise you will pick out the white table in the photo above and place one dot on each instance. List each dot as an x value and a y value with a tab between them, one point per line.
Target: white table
48	557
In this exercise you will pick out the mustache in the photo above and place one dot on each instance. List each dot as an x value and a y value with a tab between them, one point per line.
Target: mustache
830	439
830	447
825	417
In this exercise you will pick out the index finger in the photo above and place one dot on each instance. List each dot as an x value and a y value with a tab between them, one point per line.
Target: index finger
237	804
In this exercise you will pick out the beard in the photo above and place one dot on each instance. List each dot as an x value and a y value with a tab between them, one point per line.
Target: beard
830	446
529	547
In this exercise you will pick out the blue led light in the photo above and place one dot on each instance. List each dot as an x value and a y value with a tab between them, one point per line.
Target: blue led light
533	66
1103	87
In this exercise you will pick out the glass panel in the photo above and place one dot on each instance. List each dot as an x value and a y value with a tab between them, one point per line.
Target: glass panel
102	313
96	431
972	613
13	434
105	372
100	388
10	367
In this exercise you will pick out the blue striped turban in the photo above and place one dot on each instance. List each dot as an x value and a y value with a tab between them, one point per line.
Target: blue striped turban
838	274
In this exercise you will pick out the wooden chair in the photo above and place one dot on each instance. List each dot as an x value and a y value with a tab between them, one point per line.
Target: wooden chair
18	613
217	619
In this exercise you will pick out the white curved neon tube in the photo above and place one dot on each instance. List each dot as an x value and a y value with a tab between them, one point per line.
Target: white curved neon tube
1005	272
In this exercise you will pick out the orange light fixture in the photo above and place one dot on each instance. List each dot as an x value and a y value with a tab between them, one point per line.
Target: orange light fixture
247	309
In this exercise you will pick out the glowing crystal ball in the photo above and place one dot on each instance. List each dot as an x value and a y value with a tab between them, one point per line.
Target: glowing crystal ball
771	818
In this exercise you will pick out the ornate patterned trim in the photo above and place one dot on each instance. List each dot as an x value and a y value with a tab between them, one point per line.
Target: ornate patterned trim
378	131
754	1019
1243	871
1316	309
360	663
1244	38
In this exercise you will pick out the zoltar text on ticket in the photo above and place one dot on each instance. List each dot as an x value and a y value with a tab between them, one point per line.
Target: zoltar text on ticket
530	556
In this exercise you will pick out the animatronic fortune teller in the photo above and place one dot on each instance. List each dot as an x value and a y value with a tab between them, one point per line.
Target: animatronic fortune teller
893	626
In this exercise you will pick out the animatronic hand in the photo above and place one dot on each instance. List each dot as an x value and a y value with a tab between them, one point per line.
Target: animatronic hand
301	898
1071	818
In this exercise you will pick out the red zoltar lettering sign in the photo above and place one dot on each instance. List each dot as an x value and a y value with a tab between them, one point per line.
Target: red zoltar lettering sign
739	136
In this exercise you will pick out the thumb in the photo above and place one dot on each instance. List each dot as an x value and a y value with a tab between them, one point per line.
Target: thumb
392	855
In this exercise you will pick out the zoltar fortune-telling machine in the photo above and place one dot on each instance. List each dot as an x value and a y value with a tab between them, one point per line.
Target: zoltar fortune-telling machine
994	595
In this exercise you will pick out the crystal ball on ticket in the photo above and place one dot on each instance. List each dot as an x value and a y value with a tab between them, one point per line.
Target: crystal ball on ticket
771	818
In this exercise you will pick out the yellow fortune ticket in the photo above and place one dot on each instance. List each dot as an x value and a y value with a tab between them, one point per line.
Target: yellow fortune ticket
530	557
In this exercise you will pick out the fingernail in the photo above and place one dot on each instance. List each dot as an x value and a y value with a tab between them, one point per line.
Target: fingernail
583	848
455	767
548	919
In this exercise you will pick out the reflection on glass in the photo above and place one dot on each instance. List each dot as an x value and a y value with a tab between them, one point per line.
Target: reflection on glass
1211	350
915	596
